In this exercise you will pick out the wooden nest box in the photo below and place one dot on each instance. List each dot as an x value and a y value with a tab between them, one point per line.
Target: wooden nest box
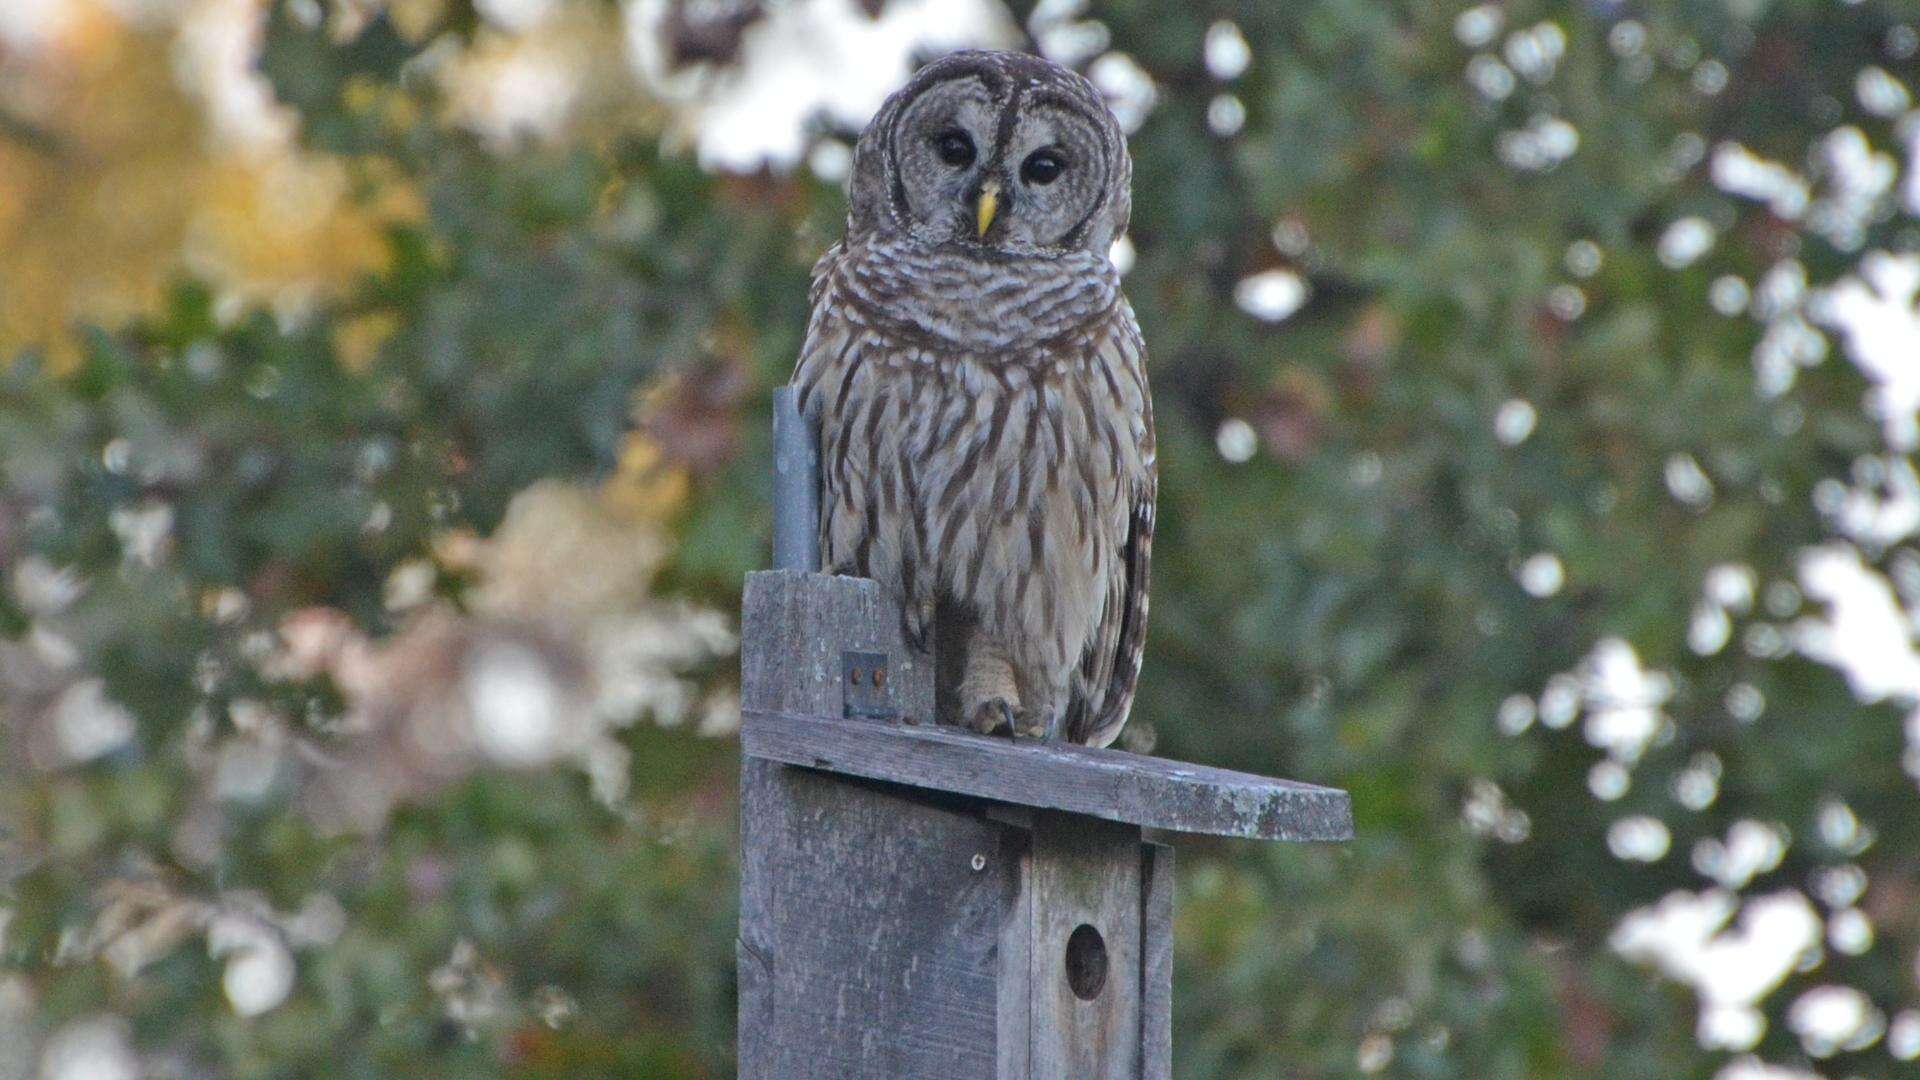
918	901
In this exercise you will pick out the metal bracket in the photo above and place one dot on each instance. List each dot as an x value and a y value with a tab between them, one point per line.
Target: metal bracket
865	689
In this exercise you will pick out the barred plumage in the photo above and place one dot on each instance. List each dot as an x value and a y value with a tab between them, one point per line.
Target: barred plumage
986	429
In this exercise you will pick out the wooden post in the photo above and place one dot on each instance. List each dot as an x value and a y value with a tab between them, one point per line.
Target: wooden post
919	901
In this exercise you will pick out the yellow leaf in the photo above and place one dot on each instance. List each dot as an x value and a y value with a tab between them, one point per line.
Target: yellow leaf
357	340
644	485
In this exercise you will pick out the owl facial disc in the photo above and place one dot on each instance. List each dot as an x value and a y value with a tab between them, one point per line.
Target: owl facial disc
994	152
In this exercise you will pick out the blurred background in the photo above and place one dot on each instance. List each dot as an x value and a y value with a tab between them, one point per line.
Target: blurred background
383	437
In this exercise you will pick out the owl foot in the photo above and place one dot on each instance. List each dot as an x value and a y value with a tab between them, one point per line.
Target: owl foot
916	625
991	717
1044	726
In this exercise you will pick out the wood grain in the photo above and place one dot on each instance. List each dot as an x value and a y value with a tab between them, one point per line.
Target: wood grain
796	625
1156	962
869	941
1085	873
1109	784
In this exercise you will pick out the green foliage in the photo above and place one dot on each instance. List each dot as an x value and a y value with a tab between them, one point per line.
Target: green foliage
1342	608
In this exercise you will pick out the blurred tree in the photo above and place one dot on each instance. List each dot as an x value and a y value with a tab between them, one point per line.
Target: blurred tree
151	172
1514	354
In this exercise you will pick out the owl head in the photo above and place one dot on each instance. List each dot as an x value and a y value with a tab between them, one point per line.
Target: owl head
993	152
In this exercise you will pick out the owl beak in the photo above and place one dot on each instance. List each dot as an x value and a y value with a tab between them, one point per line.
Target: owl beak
989	205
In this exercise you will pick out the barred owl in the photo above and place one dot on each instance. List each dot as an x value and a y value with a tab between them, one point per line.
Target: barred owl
979	384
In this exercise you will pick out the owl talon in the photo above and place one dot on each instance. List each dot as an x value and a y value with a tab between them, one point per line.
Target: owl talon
1044	726
991	717
917	627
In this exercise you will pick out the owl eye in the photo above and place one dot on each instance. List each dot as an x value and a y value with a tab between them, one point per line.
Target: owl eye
954	147
1042	167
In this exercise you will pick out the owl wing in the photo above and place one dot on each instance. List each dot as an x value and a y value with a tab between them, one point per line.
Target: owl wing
822	272
1110	670
829	366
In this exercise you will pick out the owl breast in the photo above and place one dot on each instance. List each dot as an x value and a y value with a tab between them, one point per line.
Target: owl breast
985	441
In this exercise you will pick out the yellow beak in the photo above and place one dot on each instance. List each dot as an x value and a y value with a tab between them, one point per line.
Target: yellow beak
989	205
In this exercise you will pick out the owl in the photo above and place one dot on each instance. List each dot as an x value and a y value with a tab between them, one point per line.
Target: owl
979	384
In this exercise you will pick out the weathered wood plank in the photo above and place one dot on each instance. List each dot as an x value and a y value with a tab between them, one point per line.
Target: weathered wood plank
871	923
1085	969
762	819
1109	784
1014	962
797	625
1156	962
